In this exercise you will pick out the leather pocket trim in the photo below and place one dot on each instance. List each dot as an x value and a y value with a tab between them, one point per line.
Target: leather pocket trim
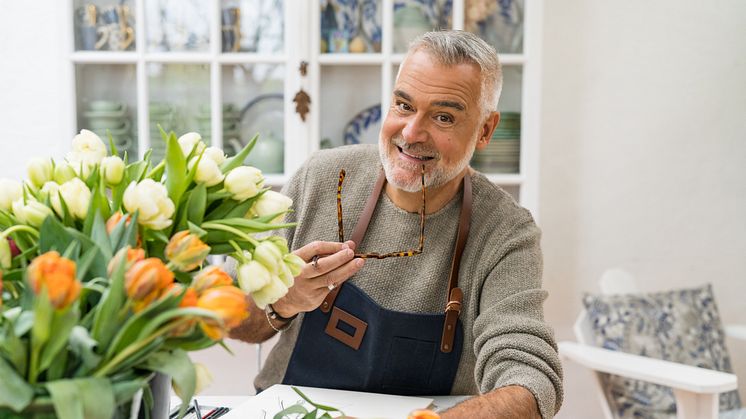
353	341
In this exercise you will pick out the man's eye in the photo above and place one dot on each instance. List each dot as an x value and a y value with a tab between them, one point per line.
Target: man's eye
444	119
403	106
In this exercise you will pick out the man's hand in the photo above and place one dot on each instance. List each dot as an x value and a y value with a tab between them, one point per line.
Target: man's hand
335	264
505	403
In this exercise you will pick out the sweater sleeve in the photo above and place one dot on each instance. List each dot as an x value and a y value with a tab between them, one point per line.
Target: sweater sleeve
513	345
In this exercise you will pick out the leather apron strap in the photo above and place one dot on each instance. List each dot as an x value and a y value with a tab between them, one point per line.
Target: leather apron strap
454	297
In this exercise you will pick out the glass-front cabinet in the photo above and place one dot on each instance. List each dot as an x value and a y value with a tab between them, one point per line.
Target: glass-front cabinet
304	75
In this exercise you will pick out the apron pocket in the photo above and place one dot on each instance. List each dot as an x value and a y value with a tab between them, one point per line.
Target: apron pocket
409	365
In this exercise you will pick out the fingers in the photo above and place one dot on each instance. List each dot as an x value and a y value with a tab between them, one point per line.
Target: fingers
340	275
323	265
322	248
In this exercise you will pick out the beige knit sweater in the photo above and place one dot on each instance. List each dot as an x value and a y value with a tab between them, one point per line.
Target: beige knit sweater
506	341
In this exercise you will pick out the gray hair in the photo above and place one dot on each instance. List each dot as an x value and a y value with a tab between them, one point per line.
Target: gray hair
454	47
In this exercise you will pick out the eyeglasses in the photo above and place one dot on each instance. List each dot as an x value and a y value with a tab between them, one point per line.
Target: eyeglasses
379	255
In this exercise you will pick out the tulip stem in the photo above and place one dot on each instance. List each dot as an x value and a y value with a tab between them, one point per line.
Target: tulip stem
18	227
156	168
229	229
132	349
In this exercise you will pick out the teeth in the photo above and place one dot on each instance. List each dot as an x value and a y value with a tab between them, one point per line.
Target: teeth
422	158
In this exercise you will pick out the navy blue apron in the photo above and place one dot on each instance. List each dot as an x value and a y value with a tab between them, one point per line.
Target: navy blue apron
352	343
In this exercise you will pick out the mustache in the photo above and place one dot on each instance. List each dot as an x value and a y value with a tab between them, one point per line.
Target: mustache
419	149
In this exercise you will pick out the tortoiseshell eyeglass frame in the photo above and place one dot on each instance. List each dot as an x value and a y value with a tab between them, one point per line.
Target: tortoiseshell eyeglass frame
373	255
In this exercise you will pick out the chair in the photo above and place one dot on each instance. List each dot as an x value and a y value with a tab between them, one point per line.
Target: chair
696	390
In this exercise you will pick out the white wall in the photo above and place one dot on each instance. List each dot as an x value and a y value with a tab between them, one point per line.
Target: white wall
643	152
643	155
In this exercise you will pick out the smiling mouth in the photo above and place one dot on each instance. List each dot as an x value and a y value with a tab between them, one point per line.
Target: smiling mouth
419	158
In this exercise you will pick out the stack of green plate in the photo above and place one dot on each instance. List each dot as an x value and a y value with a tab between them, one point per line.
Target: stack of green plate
231	119
502	154
164	114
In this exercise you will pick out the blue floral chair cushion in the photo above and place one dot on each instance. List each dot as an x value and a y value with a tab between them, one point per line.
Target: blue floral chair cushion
680	326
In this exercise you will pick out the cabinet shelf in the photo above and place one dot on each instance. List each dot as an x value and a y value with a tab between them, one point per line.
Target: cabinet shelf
350	59
103	57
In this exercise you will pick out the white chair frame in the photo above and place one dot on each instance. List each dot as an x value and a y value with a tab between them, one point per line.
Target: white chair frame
696	390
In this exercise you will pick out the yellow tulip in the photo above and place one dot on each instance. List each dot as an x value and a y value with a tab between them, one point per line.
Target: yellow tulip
57	275
229	303
186	251
146	281
211	277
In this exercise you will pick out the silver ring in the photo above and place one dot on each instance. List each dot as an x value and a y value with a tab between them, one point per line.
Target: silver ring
331	286
315	262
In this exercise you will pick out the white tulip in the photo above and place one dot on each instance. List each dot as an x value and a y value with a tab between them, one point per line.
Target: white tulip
294	262
268	255
270	293
39	171
244	182
252	276
63	172
189	141
112	169
208	172
88	151
10	191
32	212
271	202
48	190
77	198
151	199
215	154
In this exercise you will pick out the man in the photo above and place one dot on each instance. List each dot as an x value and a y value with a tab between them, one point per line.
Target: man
451	308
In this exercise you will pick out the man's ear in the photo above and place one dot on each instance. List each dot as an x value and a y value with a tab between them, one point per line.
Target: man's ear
488	127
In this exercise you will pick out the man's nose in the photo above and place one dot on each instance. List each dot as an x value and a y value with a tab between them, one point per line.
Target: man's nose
415	130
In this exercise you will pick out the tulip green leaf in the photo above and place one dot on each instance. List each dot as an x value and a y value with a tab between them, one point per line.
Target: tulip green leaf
296	409
90	398
125	390
83	346
239	158
196	204
176	169
15	393
62	324
107	320
100	237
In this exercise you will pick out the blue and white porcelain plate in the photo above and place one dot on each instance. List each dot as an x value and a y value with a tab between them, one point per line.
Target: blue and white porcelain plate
363	127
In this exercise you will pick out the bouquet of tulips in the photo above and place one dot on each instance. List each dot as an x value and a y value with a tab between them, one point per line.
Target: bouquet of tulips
103	276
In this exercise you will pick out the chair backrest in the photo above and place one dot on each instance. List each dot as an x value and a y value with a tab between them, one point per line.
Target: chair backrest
613	281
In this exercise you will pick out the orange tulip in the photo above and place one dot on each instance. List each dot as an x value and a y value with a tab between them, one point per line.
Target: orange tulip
112	222
423	414
186	251
229	303
188	300
57	275
146	281
211	277
133	255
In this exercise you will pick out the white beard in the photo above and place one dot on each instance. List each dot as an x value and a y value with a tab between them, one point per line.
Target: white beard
438	175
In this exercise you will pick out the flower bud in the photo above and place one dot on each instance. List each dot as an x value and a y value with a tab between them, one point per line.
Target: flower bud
244	182
211	277
10	191
188	299
48	190
270	293
146	281
215	154
423	414
294	262
39	171
77	197
252	276
269	203
112	169
208	172
32	213
88	150
189	141
186	251
5	254
151	199
229	303
268	255
63	172
128	256
57	275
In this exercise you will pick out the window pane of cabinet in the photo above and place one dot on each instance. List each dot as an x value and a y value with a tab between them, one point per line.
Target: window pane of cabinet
252	26
177	25
350	26
256	93
499	22
350	104
412	18
104	25
106	103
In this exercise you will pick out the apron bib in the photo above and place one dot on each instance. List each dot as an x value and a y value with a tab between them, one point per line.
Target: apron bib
352	343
